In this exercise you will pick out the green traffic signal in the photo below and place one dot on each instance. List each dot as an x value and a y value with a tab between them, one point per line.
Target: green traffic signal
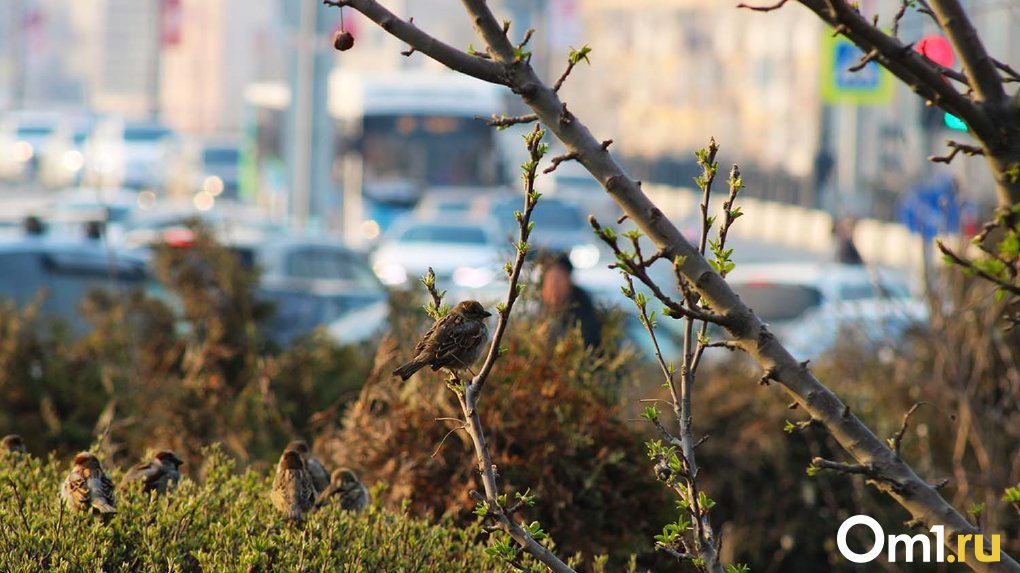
953	122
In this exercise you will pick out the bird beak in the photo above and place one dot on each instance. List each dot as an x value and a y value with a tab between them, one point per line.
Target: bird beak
487	314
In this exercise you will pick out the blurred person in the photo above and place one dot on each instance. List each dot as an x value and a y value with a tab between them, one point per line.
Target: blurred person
846	250
571	304
33	226
94	230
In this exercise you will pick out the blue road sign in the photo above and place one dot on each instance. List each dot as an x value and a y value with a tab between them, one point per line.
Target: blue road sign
932	209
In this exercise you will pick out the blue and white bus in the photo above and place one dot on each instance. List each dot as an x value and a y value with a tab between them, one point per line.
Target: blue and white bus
402	135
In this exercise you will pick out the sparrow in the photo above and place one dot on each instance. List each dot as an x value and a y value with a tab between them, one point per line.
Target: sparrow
13	443
293	493
87	486
454	341
159	475
317	471
345	487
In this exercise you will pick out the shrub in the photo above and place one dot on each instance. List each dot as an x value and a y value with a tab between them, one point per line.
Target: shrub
225	523
552	424
181	371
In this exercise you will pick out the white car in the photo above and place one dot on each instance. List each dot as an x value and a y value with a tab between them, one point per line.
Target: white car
876	324
780	293
24	138
464	255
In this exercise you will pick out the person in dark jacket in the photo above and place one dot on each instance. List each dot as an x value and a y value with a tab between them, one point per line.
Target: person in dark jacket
572	303
846	250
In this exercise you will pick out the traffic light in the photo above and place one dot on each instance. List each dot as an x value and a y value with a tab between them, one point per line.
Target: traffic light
953	122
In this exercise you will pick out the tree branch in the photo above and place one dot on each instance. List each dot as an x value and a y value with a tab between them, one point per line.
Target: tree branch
917	71
977	64
419	40
922	501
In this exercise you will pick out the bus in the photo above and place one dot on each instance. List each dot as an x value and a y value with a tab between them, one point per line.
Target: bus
401	135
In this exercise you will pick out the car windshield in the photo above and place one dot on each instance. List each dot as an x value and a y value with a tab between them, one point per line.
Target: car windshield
329	264
34	130
141	133
547	215
220	155
444	234
777	302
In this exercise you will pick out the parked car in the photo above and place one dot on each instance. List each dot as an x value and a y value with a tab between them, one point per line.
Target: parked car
878	325
64	160
24	137
465	255
314	283
780	293
65	271
560	226
131	154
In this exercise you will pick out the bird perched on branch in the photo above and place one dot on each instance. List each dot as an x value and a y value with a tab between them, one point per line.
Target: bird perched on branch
454	341
316	471
87	487
293	493
345	488
13	443
159	475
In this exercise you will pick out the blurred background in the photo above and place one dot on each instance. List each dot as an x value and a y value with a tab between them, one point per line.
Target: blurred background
258	208
142	113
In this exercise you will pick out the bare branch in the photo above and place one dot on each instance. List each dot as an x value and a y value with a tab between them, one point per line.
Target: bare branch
557	160
978	66
956	147
913	68
507	120
898	437
775	6
417	39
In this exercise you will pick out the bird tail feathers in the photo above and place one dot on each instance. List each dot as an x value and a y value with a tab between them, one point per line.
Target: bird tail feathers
408	370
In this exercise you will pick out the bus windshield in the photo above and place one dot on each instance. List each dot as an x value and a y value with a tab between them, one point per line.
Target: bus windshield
434	150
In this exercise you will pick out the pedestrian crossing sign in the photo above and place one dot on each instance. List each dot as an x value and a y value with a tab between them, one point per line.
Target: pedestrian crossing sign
870	85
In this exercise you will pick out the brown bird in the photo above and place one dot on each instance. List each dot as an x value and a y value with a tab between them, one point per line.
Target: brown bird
13	443
345	487
293	493
454	341
316	471
159	475
87	486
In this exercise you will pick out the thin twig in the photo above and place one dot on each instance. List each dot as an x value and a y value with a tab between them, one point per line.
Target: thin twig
898	437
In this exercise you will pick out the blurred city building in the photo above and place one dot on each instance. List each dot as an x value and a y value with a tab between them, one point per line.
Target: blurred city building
666	75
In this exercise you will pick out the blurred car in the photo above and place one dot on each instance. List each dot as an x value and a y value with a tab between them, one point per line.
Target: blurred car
24	137
780	293
209	164
131	154
314	283
65	271
464	255
876	325
64	160
559	227
71	209
233	223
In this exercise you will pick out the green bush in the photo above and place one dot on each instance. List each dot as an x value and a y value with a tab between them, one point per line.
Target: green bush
180	371
224	523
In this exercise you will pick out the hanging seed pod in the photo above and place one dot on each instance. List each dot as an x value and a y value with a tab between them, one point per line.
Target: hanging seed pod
343	41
